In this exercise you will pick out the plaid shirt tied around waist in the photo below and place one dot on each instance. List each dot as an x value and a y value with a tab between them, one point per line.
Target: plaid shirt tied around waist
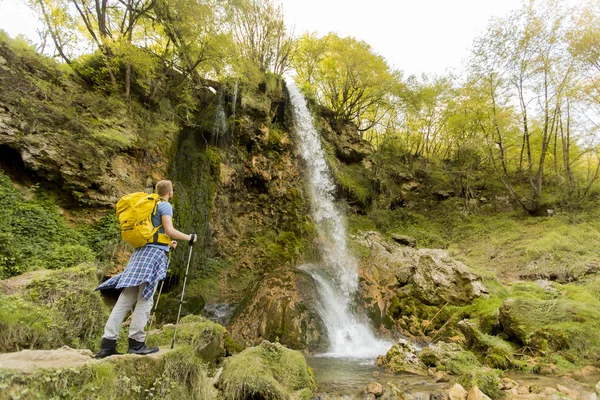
146	265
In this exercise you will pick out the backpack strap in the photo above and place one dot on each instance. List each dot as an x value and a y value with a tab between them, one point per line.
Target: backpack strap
159	238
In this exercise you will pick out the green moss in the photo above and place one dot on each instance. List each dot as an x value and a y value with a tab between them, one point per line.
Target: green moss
176	375
56	309
206	338
450	358
269	371
486	379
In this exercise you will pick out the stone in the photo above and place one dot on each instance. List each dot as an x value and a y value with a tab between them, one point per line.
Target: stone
476	394
523	389
507	384
438	396
404	240
2	60
375	388
597	388
370	396
399	394
402	358
565	390
457	392
585	372
549	390
546	285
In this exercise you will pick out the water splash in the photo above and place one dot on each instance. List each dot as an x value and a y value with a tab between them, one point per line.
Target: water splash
337	275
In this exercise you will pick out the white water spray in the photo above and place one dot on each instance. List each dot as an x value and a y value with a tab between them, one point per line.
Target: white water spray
220	124
337	275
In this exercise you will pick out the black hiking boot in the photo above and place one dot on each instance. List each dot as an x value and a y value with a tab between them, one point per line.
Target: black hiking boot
108	347
140	348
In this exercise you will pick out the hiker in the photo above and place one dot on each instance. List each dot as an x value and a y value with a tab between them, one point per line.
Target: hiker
146	267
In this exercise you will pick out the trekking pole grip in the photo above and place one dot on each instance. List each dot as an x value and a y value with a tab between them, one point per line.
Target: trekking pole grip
192	239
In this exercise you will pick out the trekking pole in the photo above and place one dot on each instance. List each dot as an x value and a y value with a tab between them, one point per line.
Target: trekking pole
183	289
159	293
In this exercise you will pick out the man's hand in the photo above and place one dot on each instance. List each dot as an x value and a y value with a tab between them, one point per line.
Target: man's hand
173	244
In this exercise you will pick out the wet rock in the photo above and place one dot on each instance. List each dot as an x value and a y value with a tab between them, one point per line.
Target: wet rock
569	392
281	309
549	390
396	392
370	396
375	388
457	392
476	394
438	396
403	358
536	389
507	384
524	389
597	388
449	357
585	372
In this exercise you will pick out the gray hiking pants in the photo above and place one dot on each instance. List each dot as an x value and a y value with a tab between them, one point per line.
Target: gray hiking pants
139	318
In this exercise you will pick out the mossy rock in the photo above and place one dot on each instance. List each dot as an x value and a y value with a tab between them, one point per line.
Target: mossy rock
178	374
486	379
402	358
205	337
269	372
58	308
449	357
497	352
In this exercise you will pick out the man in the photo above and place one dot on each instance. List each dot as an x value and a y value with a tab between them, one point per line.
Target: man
146	267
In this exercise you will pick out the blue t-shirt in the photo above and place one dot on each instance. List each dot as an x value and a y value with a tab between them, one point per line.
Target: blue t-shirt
164	208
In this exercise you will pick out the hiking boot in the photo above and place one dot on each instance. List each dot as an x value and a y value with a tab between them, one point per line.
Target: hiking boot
108	347
140	348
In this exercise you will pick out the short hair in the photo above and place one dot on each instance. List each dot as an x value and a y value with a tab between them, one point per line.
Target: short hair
163	188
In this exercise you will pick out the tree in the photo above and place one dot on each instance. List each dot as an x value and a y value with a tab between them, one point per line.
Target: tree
523	65
348	77
261	35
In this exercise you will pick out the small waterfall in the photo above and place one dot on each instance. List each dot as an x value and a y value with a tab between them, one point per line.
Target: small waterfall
234	99
337	274
220	124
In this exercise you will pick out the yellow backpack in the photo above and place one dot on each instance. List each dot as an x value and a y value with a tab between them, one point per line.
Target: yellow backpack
135	213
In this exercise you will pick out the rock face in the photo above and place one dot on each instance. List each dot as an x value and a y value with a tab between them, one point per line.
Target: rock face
392	271
281	309
349	147
92	149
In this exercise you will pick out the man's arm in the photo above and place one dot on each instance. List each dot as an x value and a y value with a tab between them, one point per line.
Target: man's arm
167	223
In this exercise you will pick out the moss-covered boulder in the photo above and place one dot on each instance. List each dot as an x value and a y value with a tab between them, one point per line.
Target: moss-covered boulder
205	337
497	352
53	309
486	379
449	357
566	323
392	275
269	372
403	358
177	374
283	309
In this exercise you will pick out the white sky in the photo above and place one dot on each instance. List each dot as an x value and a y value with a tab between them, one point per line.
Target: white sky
416	36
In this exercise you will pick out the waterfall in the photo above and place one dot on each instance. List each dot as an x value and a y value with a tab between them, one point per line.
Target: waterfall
337	275
220	124
234	99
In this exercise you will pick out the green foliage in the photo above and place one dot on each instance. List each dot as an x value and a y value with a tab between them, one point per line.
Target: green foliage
269	371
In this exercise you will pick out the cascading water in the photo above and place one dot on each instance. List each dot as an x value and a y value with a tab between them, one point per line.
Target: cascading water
234	99
337	274
220	124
